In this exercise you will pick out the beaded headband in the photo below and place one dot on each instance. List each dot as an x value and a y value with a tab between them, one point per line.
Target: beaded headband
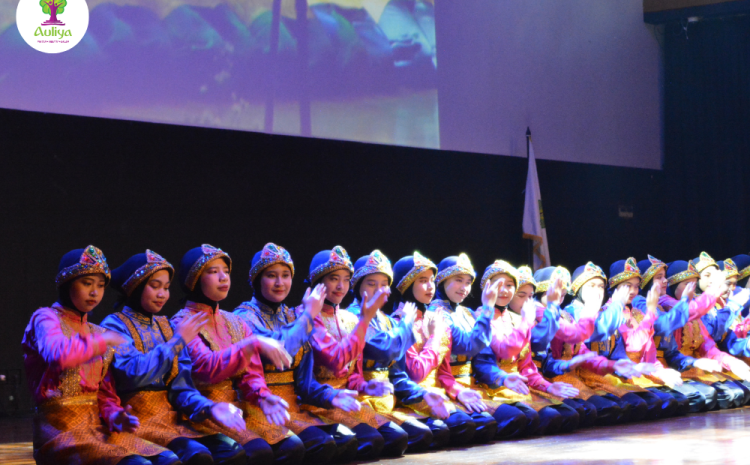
631	271
209	253
271	254
656	265
590	272
731	269
421	264
338	260
526	276
559	272
499	267
92	261
462	266
691	272
376	263
154	263
704	261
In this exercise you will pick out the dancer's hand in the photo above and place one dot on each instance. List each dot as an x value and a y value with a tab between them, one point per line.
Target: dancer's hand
275	409
113	338
490	292
555	291
228	415
377	388
272	350
188	328
689	291
706	364
621	295
528	312
125	421
314	300
371	305
437	403
670	377
472	401
564	390
347	401
517	383
409	312
576	361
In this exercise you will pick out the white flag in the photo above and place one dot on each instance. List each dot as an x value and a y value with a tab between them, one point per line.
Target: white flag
533	216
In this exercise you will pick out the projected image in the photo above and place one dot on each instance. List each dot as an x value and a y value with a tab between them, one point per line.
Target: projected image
362	70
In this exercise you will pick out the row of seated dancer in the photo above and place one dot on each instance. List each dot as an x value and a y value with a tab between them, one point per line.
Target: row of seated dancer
404	369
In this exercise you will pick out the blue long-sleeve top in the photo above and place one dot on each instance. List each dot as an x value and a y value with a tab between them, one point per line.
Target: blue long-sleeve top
406	390
281	324
544	331
667	322
134	370
738	347
719	320
672	355
470	336
485	369
609	319
386	341
552	367
309	390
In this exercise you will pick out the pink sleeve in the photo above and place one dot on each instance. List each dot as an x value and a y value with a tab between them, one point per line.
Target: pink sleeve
253	386
573	333
649	354
331	353
420	363
508	346
599	365
60	350
701	305
528	369
446	379
356	379
109	401
742	328
212	367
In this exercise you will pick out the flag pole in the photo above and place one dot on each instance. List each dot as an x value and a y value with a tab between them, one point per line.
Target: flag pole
529	242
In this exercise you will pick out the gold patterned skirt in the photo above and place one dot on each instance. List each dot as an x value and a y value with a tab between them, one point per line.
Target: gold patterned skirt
299	420
255	419
160	424
70	431
366	413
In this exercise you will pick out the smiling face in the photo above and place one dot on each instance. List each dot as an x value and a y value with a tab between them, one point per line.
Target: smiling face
506	291
731	286
457	287
681	287
593	290
523	295
706	277
156	292
371	283
276	282
424	287
215	280
632	285
87	292
337	285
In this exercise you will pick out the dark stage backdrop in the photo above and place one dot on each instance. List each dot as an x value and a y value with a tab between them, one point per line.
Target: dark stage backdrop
125	186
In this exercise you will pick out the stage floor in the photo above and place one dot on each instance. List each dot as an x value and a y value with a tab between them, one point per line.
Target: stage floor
708	438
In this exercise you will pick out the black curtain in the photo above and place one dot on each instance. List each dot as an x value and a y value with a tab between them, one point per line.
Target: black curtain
707	133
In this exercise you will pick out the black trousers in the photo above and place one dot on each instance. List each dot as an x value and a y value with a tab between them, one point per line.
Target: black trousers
165	458
586	411
217	448
511	422
660	404
462	428
346	442
420	436
395	439
370	442
441	434
288	451
546	421
608	412
320	447
632	406
729	395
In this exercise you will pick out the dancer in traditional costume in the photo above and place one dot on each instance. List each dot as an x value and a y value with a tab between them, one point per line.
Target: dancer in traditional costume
386	341
227	364
576	364
540	400
421	378
67	359
338	339
152	370
271	273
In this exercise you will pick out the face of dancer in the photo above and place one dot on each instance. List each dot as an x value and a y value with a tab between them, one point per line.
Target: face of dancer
661	278
524	293
424	287
633	285
706	277
215	280
593	290
276	282
504	293
371	283
457	287
731	286
681	287
87	291
156	292
337	285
